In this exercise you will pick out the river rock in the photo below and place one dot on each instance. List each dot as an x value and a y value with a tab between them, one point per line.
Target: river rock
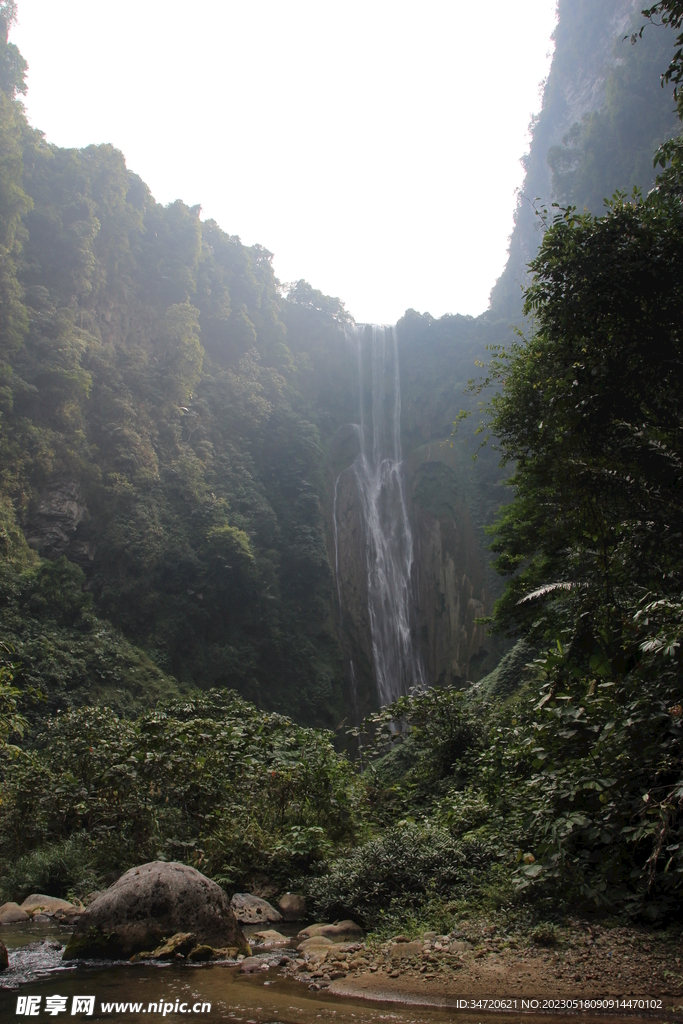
252	964
270	937
225	953
250	909
179	944
4	956
202	953
48	906
292	907
315	943
150	903
11	913
406	949
337	932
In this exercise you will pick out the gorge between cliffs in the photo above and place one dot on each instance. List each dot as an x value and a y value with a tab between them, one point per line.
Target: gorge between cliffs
376	626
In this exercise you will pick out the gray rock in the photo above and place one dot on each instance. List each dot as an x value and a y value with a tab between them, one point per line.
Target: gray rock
250	909
150	903
55	518
292	907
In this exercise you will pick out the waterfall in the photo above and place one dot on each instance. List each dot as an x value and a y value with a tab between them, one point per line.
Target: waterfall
336	562
388	539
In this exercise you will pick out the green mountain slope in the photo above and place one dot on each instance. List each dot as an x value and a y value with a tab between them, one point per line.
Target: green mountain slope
153	433
169	419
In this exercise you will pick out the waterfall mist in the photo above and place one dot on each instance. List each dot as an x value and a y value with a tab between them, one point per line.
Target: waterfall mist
388	538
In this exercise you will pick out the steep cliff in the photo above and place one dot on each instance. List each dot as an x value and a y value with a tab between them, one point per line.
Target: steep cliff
603	114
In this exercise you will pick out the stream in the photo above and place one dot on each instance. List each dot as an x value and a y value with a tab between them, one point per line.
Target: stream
212	992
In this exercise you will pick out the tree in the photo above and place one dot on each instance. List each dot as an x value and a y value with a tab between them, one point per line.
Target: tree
13	67
179	351
590	412
12	722
14	203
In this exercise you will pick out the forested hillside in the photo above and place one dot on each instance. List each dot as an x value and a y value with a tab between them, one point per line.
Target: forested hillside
169	443
170	418
161	473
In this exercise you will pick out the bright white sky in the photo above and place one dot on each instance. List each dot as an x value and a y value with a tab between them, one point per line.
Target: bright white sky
373	146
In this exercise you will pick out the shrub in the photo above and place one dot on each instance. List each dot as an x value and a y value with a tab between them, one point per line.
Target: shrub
60	869
408	864
544	934
211	781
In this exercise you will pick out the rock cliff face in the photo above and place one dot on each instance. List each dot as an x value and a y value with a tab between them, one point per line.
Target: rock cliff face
450	596
451	584
353	616
54	520
449	500
589	41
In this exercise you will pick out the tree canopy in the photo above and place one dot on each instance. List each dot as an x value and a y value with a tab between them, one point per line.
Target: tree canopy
589	411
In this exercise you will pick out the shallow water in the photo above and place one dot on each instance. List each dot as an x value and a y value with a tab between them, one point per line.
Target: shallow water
210	992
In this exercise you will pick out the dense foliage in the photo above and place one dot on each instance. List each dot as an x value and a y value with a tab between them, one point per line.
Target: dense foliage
590	412
247	797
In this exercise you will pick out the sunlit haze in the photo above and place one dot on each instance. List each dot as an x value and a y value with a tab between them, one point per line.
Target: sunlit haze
373	147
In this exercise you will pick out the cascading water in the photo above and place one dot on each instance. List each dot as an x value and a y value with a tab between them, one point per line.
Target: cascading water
388	539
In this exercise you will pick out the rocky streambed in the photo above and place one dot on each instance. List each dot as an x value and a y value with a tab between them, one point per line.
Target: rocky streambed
169	916
582	963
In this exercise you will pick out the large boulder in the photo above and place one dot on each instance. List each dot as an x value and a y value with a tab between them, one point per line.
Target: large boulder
149	904
11	913
250	909
316	942
292	907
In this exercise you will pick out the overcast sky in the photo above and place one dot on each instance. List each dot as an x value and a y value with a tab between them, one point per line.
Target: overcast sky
372	146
